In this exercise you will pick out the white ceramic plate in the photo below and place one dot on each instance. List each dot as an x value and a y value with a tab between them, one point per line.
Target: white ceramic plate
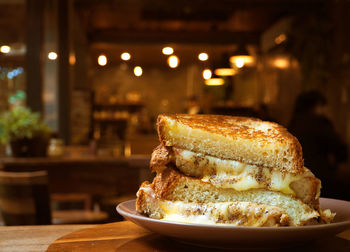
224	236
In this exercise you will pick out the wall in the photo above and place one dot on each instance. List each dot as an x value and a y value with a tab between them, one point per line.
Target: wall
162	89
165	90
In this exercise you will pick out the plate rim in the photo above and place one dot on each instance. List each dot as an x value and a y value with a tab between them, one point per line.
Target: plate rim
232	227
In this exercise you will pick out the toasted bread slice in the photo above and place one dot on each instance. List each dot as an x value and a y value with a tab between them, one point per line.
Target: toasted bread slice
174	186
239	176
243	139
233	213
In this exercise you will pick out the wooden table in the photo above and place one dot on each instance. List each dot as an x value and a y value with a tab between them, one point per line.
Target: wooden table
119	236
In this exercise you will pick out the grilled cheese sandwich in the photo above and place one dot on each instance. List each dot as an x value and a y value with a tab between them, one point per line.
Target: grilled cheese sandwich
215	163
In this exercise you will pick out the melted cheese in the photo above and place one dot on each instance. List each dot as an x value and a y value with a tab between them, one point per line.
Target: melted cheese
174	211
178	217
234	174
223	213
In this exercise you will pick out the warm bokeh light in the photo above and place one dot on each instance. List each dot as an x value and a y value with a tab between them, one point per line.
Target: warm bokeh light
239	63
102	60
125	56
5	49
214	82
207	74
241	60
281	63
203	56
72	59
173	61
225	71
52	55
280	38
168	50
138	71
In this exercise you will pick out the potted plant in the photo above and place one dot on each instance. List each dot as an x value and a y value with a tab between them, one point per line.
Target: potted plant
25	132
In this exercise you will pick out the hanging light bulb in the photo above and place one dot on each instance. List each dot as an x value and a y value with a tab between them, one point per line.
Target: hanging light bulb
173	61
125	56
138	71
207	74
203	56
5	49
102	60
239	62
52	56
167	50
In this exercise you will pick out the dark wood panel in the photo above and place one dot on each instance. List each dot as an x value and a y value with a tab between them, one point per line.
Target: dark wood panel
95	176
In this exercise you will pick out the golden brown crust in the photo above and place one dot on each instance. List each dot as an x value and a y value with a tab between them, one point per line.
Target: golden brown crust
228	126
161	156
165	182
262	143
140	200
147	204
308	190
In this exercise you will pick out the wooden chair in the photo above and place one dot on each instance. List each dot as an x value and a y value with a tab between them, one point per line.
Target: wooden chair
24	198
75	208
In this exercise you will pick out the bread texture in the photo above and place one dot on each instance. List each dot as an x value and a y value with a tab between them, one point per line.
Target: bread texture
173	186
233	213
243	139
227	173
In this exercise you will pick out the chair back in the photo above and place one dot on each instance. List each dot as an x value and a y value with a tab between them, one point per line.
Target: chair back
24	198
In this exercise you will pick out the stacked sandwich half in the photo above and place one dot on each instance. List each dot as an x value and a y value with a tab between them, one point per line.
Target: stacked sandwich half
229	170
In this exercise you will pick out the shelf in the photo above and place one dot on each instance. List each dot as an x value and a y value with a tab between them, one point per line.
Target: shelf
131	107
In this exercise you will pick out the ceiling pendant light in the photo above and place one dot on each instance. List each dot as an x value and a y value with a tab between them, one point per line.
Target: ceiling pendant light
5	49
102	60
138	71
224	68
214	81
207	74
52	55
241	58
203	56
125	56
167	50
173	61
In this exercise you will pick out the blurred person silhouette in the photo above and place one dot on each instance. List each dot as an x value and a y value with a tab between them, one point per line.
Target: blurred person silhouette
323	150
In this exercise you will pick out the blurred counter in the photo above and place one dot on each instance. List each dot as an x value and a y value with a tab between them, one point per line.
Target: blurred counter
39	163
87	174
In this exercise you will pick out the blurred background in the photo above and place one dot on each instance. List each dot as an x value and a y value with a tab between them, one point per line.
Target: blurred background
99	72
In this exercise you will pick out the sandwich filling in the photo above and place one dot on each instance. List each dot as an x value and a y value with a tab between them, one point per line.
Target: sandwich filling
244	213
227	173
232	213
234	174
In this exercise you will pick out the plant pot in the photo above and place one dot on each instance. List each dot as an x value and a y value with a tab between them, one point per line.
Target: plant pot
29	147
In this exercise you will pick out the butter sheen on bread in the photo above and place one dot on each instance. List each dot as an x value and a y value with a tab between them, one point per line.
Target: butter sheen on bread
249	140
